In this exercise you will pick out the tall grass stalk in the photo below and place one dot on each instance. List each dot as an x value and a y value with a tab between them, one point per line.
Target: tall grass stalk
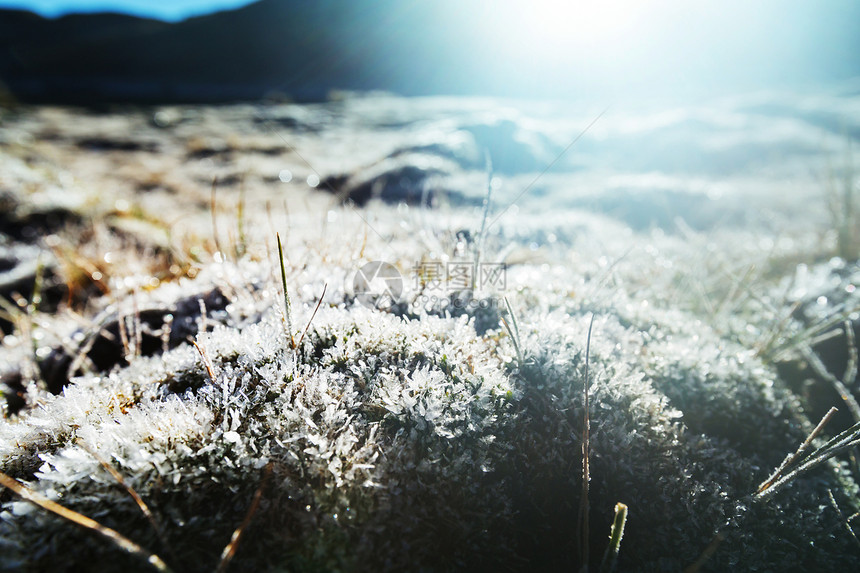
288	319
584	508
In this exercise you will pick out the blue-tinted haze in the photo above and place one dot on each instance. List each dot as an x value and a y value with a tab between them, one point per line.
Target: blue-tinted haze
169	10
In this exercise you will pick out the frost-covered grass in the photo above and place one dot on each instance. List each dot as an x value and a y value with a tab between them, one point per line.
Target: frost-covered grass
411	442
408	438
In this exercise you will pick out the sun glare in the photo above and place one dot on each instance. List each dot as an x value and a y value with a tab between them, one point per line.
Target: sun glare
580	22
588	44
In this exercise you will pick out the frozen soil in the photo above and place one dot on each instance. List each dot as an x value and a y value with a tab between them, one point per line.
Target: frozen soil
145	328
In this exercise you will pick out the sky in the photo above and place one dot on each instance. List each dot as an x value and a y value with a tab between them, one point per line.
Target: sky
609	48
633	47
168	10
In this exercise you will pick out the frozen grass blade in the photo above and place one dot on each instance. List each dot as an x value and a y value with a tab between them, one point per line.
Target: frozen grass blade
213	207
818	366
791	458
207	362
600	281
113	536
842	207
131	332
586	460
134	495
848	377
123	336
845	521
38	284
842	442
792	467
513	331
479	240
242	243
22	318
319	302
781	342
287	309
610	558
236	538
732	298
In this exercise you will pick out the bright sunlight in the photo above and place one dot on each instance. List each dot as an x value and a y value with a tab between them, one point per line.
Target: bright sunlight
560	23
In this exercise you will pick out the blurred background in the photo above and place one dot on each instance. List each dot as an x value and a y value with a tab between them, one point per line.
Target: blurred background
227	50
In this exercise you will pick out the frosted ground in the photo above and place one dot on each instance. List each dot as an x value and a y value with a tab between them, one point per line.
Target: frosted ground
714	245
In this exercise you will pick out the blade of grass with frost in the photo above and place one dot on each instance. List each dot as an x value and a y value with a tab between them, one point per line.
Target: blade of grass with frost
287	310
850	375
586	455
113	536
781	342
845	521
16	315
779	479
791	458
842	207
479	240
319	302
819	368
213	207
732	298
38	281
610	558
514	332
207	362
241	244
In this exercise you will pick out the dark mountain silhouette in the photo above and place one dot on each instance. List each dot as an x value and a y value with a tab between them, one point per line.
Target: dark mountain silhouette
301	49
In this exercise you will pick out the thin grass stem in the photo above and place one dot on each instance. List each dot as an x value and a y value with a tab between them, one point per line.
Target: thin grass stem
287	307
584	508
144	509
308	325
230	549
113	536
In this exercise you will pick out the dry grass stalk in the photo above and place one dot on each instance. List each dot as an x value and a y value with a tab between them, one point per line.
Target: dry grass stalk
706	554
113	536
230	549
207	362
134	495
792	458
319	302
